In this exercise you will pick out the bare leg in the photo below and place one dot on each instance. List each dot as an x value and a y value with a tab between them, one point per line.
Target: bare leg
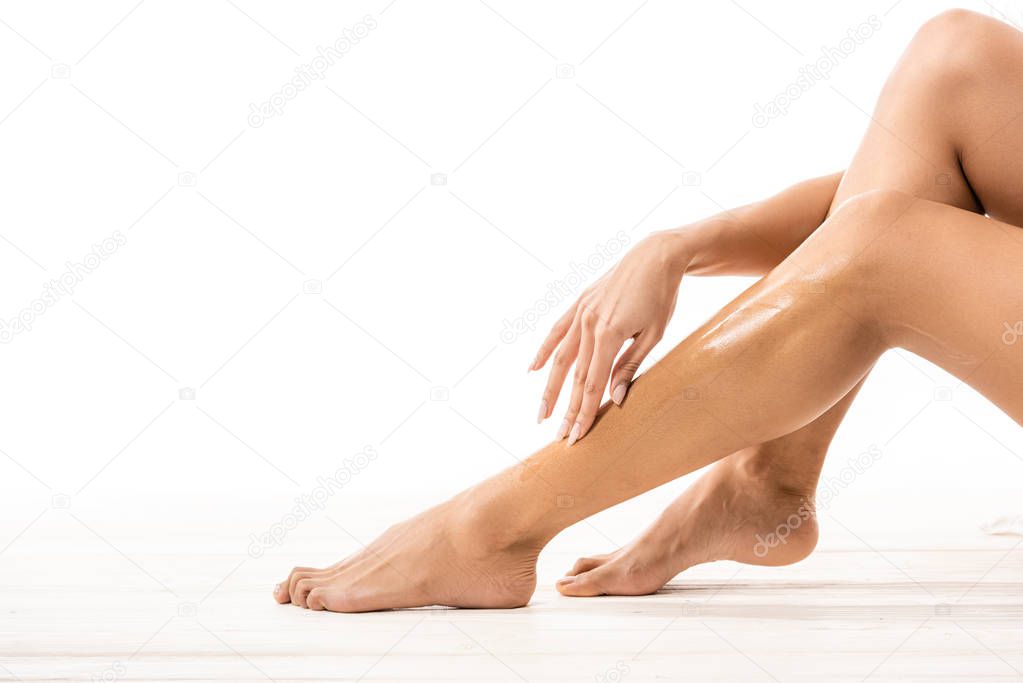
885	270
968	68
743	497
947	124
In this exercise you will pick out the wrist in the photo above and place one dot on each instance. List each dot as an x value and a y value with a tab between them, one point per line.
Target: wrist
676	249
698	245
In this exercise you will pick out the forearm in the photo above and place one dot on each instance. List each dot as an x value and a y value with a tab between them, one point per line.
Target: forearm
752	239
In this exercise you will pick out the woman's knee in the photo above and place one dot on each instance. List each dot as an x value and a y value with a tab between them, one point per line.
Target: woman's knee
959	46
889	247
861	218
863	241
874	203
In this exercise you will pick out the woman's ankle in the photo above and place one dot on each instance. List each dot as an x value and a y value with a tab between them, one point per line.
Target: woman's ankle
489	522
791	468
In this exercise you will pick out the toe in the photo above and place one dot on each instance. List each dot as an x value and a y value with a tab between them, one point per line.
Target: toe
585	564
316	600
583	585
285	591
330	598
302	590
622	575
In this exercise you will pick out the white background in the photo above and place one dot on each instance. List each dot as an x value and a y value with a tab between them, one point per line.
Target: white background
106	111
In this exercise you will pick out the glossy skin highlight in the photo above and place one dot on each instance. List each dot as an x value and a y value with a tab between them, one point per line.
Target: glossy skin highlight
895	252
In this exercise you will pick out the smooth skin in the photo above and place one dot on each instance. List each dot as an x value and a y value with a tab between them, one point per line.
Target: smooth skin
947	127
904	259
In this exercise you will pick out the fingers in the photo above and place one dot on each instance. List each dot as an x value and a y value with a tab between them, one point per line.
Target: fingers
587	321
582	338
563	360
556	334
629	362
606	346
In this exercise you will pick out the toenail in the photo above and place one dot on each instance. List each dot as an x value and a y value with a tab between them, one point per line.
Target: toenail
277	588
565	580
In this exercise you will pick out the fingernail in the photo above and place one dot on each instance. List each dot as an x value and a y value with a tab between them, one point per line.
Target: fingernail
277	589
574	436
565	580
563	429
619	393
543	412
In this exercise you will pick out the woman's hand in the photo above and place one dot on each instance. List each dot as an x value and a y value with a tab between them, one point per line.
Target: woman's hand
634	301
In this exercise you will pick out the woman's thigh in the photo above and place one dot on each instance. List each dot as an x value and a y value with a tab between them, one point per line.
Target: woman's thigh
948	125
939	281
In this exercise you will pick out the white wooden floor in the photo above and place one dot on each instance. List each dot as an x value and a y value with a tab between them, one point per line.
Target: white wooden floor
91	597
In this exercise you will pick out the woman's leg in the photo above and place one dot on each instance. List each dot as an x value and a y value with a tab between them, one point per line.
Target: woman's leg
741	498
885	270
948	125
943	129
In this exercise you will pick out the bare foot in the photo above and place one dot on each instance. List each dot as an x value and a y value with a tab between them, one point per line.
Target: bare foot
436	558
734	512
